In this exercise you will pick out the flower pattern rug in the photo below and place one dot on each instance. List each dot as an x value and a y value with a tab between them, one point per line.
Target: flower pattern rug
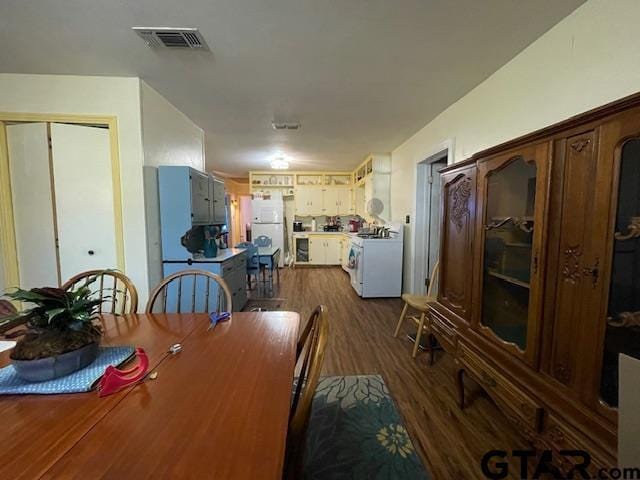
356	432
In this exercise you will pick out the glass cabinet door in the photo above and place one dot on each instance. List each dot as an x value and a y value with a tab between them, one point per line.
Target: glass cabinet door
623	314
510	216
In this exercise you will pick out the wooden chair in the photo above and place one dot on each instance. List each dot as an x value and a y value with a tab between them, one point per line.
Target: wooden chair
310	355
195	300
7	309
117	291
421	304
253	261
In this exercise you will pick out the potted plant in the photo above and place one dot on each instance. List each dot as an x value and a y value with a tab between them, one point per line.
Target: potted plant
60	337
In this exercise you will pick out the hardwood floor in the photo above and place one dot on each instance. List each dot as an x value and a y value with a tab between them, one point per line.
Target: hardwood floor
451	442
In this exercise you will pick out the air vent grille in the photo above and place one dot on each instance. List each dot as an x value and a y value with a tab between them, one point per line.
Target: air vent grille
161	37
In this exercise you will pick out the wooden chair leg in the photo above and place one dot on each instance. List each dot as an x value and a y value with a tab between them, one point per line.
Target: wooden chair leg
401	319
418	335
432	352
460	385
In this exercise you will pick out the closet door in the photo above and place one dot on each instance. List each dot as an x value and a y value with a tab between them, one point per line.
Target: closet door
33	211
512	205
84	198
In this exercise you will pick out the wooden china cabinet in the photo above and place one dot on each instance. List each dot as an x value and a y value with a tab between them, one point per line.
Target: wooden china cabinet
540	275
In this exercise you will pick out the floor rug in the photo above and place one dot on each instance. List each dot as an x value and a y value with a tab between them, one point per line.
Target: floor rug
356	432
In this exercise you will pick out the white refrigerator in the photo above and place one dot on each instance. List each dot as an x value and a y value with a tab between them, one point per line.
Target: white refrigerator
268	219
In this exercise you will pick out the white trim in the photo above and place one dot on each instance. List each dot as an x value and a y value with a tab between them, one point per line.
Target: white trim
419	240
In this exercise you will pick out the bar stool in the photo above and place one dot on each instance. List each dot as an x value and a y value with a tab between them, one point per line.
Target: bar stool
419	303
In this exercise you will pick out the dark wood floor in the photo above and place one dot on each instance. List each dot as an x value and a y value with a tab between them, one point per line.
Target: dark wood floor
451	442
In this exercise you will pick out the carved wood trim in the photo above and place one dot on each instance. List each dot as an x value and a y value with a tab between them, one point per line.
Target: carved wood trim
580	144
571	270
460	202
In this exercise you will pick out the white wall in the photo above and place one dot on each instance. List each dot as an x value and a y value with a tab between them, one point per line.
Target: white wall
95	96
168	136
587	60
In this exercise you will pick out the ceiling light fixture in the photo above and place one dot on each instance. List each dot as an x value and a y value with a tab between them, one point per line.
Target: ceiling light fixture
285	125
279	164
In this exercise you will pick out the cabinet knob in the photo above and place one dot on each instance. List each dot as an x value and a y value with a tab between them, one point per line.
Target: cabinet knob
91	252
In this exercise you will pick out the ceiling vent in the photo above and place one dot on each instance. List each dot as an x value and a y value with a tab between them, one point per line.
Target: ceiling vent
285	126
172	37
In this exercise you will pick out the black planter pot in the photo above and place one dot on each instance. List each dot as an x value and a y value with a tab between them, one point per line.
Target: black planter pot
49	368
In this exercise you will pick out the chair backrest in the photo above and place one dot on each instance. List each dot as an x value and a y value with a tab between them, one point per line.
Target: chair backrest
252	254
117	291
190	291
433	280
7	309
310	355
262	241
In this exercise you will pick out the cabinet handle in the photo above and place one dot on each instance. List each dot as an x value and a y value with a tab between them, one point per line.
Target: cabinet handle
593	271
535	263
91	252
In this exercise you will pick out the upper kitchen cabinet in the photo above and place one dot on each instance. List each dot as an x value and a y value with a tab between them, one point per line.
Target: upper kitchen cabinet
309	200
337	201
218	213
200	202
374	185
187	199
512	192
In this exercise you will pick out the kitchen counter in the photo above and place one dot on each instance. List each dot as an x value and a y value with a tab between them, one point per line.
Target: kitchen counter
324	233
223	256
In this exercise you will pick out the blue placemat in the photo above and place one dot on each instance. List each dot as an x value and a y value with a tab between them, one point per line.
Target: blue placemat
80	381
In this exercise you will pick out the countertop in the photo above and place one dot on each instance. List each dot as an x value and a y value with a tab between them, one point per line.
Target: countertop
222	256
324	233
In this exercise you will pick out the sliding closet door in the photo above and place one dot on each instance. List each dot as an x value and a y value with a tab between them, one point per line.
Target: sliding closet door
84	198
32	204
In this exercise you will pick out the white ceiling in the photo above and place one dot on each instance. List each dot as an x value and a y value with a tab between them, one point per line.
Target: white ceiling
359	75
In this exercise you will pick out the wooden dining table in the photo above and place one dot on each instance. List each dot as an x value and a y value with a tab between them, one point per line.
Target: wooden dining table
217	409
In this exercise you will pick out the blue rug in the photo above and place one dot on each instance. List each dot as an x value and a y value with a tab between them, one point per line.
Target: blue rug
356	432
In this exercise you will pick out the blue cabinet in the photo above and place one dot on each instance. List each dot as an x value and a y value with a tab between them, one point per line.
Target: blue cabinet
188	198
232	269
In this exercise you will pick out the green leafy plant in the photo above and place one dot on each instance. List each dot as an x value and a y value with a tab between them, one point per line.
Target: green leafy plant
57	320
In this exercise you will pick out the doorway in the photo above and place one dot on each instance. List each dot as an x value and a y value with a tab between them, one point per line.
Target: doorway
427	226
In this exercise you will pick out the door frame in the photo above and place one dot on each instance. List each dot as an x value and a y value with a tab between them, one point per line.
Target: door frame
422	208
7	224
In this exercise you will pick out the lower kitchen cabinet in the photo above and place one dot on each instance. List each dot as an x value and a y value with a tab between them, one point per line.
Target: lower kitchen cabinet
325	249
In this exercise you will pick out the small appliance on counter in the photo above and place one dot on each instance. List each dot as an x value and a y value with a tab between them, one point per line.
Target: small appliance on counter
332	224
297	227
354	225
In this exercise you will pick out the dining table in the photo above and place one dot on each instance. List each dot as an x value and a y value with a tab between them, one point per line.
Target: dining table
219	408
269	258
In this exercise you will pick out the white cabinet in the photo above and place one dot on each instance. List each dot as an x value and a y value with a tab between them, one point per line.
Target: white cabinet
309	201
333	251
317	250
373	192
318	201
325	249
337	201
